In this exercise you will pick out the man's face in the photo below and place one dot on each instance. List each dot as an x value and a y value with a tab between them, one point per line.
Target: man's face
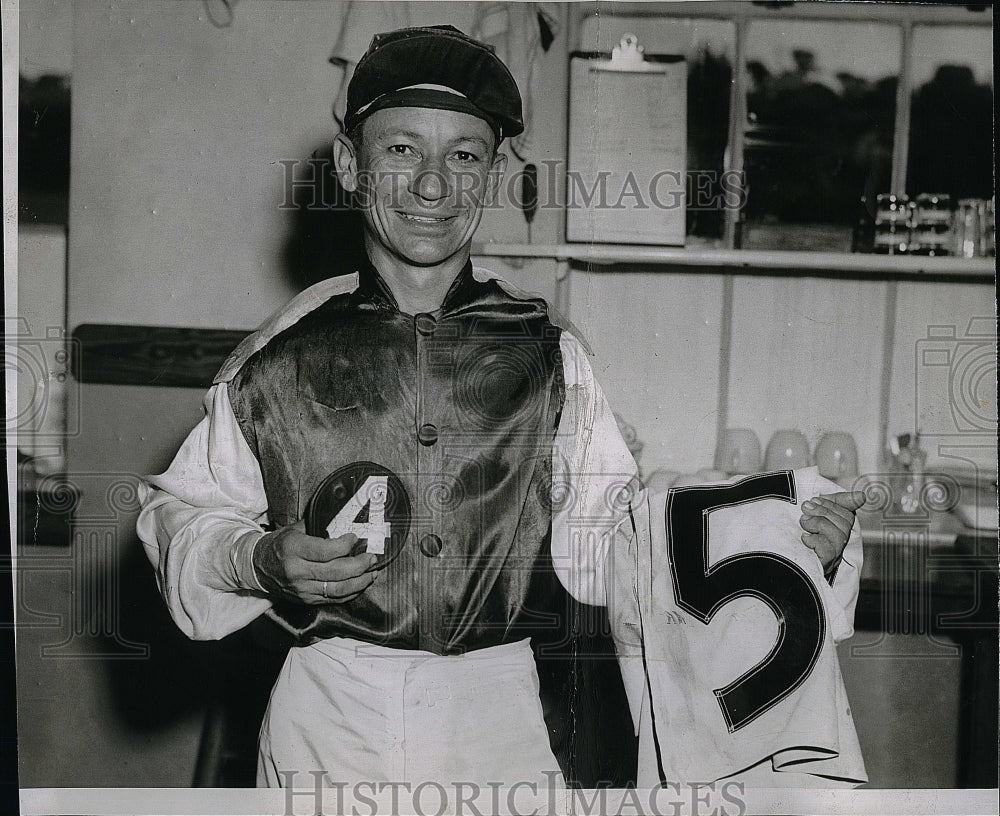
422	176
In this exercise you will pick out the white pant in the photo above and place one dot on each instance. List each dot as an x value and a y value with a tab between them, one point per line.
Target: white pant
359	712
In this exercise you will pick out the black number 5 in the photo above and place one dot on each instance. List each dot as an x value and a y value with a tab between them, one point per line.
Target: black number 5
702	590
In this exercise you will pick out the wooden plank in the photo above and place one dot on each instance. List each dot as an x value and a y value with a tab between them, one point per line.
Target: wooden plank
728	261
935	13
150	355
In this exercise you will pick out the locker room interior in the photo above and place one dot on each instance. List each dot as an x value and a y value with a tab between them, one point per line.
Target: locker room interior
178	122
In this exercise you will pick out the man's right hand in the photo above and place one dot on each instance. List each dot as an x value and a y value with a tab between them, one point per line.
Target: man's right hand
302	567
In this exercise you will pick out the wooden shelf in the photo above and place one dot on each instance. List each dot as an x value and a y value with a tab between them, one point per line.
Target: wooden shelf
734	260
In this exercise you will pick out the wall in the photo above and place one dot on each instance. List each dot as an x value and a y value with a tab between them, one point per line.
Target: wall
903	690
953	405
41	313
178	128
657	338
175	220
45	37
110	692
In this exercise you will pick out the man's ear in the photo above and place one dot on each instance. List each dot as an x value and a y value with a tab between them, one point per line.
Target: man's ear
495	178
345	162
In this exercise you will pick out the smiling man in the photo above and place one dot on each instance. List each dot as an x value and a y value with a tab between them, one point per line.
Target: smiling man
409	466
423	176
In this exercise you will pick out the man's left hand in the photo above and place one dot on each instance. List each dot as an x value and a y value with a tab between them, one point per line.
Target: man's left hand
827	521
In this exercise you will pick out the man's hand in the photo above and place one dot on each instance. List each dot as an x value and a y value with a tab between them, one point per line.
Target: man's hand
302	567
827	521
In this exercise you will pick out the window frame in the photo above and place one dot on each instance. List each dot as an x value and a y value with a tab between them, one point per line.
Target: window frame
904	15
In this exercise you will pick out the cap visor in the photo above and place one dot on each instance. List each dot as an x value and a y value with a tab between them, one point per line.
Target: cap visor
428	98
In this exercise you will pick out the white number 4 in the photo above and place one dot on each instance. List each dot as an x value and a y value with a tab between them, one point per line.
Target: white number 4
376	530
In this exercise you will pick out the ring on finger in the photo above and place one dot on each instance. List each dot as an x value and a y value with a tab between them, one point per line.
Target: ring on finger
324	590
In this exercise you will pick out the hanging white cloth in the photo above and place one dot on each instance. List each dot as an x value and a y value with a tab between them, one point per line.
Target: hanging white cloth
520	32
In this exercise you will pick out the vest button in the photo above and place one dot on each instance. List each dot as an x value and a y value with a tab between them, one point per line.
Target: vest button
430	545
425	324
427	434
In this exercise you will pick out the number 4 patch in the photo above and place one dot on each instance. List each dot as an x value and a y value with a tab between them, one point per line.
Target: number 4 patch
376	530
366	499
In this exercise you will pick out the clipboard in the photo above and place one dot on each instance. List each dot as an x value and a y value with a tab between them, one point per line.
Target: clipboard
627	151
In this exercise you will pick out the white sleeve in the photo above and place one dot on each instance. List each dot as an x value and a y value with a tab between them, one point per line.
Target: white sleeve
593	476
847	580
199	523
625	587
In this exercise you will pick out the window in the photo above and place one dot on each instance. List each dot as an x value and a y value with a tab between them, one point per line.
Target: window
951	113
821	106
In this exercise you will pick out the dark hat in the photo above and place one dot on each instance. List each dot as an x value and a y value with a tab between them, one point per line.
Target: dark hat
434	67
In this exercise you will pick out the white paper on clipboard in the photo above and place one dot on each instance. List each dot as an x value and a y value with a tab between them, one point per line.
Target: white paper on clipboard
627	147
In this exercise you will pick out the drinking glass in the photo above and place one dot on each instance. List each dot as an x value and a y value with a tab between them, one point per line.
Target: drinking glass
836	456
788	449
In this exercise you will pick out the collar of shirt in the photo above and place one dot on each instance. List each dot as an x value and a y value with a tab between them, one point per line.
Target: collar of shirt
466	294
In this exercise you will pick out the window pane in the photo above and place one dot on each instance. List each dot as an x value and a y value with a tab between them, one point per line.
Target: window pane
951	122
709	47
821	107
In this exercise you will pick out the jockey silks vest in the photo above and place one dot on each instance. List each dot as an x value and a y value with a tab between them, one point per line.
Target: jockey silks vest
460	407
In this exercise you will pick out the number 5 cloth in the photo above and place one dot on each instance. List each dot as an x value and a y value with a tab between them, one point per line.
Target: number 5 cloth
726	630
